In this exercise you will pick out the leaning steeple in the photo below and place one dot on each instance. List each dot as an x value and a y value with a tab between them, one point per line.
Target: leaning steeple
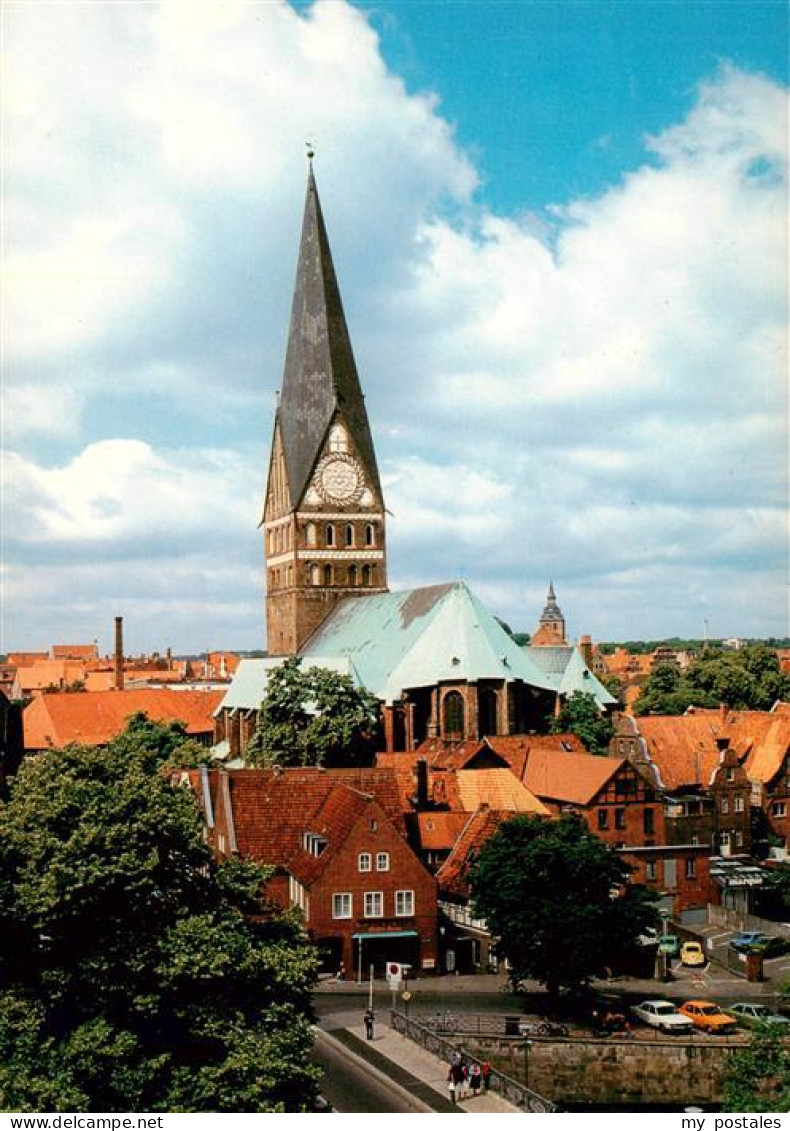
320	377
323	518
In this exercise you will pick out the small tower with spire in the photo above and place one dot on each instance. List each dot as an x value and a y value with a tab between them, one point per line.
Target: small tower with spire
323	515
551	626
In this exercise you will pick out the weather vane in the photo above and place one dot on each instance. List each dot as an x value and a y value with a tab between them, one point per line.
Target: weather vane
310	150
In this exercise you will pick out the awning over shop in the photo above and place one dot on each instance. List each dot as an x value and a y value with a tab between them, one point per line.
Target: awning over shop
386	935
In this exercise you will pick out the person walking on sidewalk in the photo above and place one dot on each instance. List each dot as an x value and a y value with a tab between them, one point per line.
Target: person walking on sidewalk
475	1078
451	1085
485	1072
457	1078
369	1023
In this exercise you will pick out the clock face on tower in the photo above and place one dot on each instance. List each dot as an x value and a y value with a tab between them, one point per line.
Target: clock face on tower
338	479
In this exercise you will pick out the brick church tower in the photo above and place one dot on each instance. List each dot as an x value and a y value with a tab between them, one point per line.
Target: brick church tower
323	516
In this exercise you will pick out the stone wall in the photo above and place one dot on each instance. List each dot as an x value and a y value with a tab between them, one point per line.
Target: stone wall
614	1071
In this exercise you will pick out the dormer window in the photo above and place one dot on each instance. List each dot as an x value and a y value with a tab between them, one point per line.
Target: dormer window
314	844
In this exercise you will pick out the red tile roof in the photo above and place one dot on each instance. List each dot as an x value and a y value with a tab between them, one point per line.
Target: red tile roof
74	652
95	717
274	809
683	747
438	831
452	876
571	778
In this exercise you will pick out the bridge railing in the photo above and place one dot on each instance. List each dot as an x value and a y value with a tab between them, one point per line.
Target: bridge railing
434	1042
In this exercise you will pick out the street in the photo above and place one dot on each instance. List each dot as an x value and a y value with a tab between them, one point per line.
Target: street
352	1087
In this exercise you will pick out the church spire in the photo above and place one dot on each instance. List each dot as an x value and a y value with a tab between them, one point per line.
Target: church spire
323	518
320	377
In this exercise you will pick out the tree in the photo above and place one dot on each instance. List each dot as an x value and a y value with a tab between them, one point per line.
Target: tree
581	715
748	680
313	717
557	898
757	1078
136	973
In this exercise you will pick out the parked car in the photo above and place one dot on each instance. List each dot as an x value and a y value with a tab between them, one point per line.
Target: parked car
744	940
663	1015
692	954
752	1014
708	1017
669	945
772	946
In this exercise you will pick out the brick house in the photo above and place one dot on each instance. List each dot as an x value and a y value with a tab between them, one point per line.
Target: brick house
705	793
338	855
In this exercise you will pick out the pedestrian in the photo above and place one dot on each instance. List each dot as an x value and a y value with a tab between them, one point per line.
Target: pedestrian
458	1074
451	1083
456	1058
475	1078
370	1019
341	973
485	1072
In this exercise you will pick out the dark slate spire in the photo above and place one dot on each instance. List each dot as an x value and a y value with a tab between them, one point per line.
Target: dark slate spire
552	612
320	374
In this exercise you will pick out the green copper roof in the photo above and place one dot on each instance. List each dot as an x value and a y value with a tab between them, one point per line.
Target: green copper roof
421	637
252	676
566	668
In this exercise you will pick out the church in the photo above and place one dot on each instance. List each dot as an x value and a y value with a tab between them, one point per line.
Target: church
441	664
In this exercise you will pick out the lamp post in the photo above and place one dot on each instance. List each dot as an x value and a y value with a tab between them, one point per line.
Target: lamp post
527	1047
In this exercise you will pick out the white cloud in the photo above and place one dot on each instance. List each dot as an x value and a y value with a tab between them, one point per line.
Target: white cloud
597	395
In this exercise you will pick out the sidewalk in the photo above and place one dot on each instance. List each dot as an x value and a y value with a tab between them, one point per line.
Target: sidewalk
425	1067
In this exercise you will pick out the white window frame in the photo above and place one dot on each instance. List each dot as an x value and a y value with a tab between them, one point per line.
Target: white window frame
364	862
382	861
739	804
400	913
344	896
651	870
778	809
372	900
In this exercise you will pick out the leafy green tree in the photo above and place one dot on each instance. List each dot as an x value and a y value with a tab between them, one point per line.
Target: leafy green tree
136	973
581	715
314	717
757	1078
558	899
748	680
666	692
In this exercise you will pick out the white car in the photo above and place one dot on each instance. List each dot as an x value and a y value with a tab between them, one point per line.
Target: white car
662	1015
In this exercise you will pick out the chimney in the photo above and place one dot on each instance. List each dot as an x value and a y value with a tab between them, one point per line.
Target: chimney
586	649
119	653
422	783
169	659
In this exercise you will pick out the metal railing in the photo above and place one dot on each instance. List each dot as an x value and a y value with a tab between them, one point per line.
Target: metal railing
511	1090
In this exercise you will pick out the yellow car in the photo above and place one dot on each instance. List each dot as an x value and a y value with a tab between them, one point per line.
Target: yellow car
692	954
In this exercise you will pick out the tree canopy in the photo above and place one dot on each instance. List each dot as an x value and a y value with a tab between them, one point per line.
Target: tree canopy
558	899
749	679
136	973
313	717
757	1078
581	715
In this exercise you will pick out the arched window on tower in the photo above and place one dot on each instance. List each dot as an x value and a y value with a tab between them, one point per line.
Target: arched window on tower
348	535
367	573
327	575
330	534
315	575
453	711
370	534
353	576
310	534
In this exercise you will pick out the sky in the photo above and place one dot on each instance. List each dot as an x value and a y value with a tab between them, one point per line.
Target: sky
560	231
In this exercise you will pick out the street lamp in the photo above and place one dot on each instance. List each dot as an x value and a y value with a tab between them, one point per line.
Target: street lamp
527	1047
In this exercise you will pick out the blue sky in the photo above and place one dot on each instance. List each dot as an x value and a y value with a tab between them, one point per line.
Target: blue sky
560	231
555	98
